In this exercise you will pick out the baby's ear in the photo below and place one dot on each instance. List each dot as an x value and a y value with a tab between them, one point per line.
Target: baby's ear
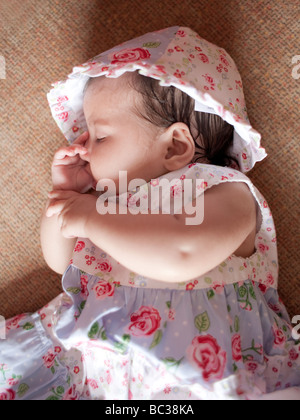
179	146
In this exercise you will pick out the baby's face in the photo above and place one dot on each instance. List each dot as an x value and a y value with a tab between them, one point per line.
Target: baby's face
119	139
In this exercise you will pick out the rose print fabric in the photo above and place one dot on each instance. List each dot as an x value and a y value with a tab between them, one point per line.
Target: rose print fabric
114	334
177	57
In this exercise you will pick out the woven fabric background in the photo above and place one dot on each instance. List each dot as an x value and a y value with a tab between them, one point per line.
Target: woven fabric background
41	41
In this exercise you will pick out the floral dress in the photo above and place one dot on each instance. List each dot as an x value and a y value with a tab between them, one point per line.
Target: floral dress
114	334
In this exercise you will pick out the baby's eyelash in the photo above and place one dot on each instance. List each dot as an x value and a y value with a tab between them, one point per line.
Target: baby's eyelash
99	140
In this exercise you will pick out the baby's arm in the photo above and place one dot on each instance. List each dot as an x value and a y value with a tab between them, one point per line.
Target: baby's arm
69	172
161	246
164	248
57	249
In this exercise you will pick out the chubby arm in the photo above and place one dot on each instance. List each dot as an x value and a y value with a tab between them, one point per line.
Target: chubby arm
161	246
57	249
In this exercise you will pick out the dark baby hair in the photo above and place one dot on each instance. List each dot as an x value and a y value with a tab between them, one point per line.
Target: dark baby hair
164	106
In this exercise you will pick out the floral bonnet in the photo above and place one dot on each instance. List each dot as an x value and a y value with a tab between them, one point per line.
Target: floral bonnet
175	56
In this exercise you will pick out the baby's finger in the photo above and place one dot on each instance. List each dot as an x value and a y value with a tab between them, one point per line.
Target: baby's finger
82	138
55	207
61	194
70	151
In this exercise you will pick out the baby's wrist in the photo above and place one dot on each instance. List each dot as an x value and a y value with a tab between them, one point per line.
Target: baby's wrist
91	218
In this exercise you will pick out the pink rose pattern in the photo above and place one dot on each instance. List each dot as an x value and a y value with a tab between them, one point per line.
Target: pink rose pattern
15	322
208	356
7	395
130	55
236	348
49	359
144	322
103	289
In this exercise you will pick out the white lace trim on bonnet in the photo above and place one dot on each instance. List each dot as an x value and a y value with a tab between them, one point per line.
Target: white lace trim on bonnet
176	56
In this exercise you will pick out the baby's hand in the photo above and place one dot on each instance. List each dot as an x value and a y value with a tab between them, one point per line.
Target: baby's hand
73	211
69	169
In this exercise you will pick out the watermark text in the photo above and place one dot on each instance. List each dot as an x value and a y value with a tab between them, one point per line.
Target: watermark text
176	196
296	329
2	328
296	68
